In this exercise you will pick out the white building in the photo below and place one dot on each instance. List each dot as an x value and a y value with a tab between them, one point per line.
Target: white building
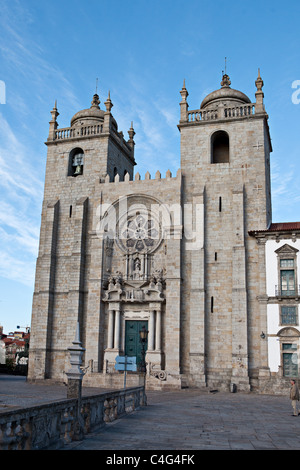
2	352
282	256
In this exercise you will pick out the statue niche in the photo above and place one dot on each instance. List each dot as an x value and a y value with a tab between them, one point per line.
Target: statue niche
137	268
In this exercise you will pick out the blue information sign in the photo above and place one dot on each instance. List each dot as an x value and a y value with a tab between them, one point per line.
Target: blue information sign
125	363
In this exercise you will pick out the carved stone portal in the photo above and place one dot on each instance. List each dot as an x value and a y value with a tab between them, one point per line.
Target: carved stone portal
132	299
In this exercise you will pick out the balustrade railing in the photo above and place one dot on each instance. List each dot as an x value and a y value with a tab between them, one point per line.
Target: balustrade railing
74	132
239	111
198	115
221	113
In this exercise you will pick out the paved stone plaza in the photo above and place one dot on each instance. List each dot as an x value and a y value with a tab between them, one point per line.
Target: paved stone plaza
194	420
187	419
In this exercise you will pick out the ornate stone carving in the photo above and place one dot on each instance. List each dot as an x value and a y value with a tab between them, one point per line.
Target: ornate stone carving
119	289
158	373
138	233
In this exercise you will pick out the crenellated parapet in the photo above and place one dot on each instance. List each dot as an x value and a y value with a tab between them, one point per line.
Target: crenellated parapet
137	178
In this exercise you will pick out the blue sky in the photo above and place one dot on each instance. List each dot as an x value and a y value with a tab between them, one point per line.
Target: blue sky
141	51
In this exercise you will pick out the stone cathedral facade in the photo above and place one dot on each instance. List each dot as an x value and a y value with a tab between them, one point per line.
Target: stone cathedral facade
177	254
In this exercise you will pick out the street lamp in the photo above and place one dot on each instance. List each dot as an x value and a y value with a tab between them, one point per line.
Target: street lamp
26	327
143	340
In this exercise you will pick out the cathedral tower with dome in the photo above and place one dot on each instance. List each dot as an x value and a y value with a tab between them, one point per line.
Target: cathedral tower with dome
174	253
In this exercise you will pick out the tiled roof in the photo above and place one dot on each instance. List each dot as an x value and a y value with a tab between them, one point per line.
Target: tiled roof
16	341
284	226
279	227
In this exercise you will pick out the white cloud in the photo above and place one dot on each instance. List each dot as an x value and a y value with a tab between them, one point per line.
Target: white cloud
21	166
170	116
285	191
281	180
16	269
155	123
21	192
26	60
19	229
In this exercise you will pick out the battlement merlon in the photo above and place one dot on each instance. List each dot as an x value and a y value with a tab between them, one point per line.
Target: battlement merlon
137	177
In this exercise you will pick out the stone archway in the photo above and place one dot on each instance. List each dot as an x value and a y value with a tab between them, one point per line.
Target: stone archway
289	351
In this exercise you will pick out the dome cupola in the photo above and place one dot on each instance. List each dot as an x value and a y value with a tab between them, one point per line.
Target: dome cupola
226	95
89	116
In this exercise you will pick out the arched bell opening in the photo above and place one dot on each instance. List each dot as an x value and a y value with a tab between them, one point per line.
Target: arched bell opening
220	147
76	158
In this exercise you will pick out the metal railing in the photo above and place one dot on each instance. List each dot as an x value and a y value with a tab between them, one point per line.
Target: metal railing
279	292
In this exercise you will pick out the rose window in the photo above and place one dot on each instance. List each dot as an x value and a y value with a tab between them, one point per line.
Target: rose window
139	234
